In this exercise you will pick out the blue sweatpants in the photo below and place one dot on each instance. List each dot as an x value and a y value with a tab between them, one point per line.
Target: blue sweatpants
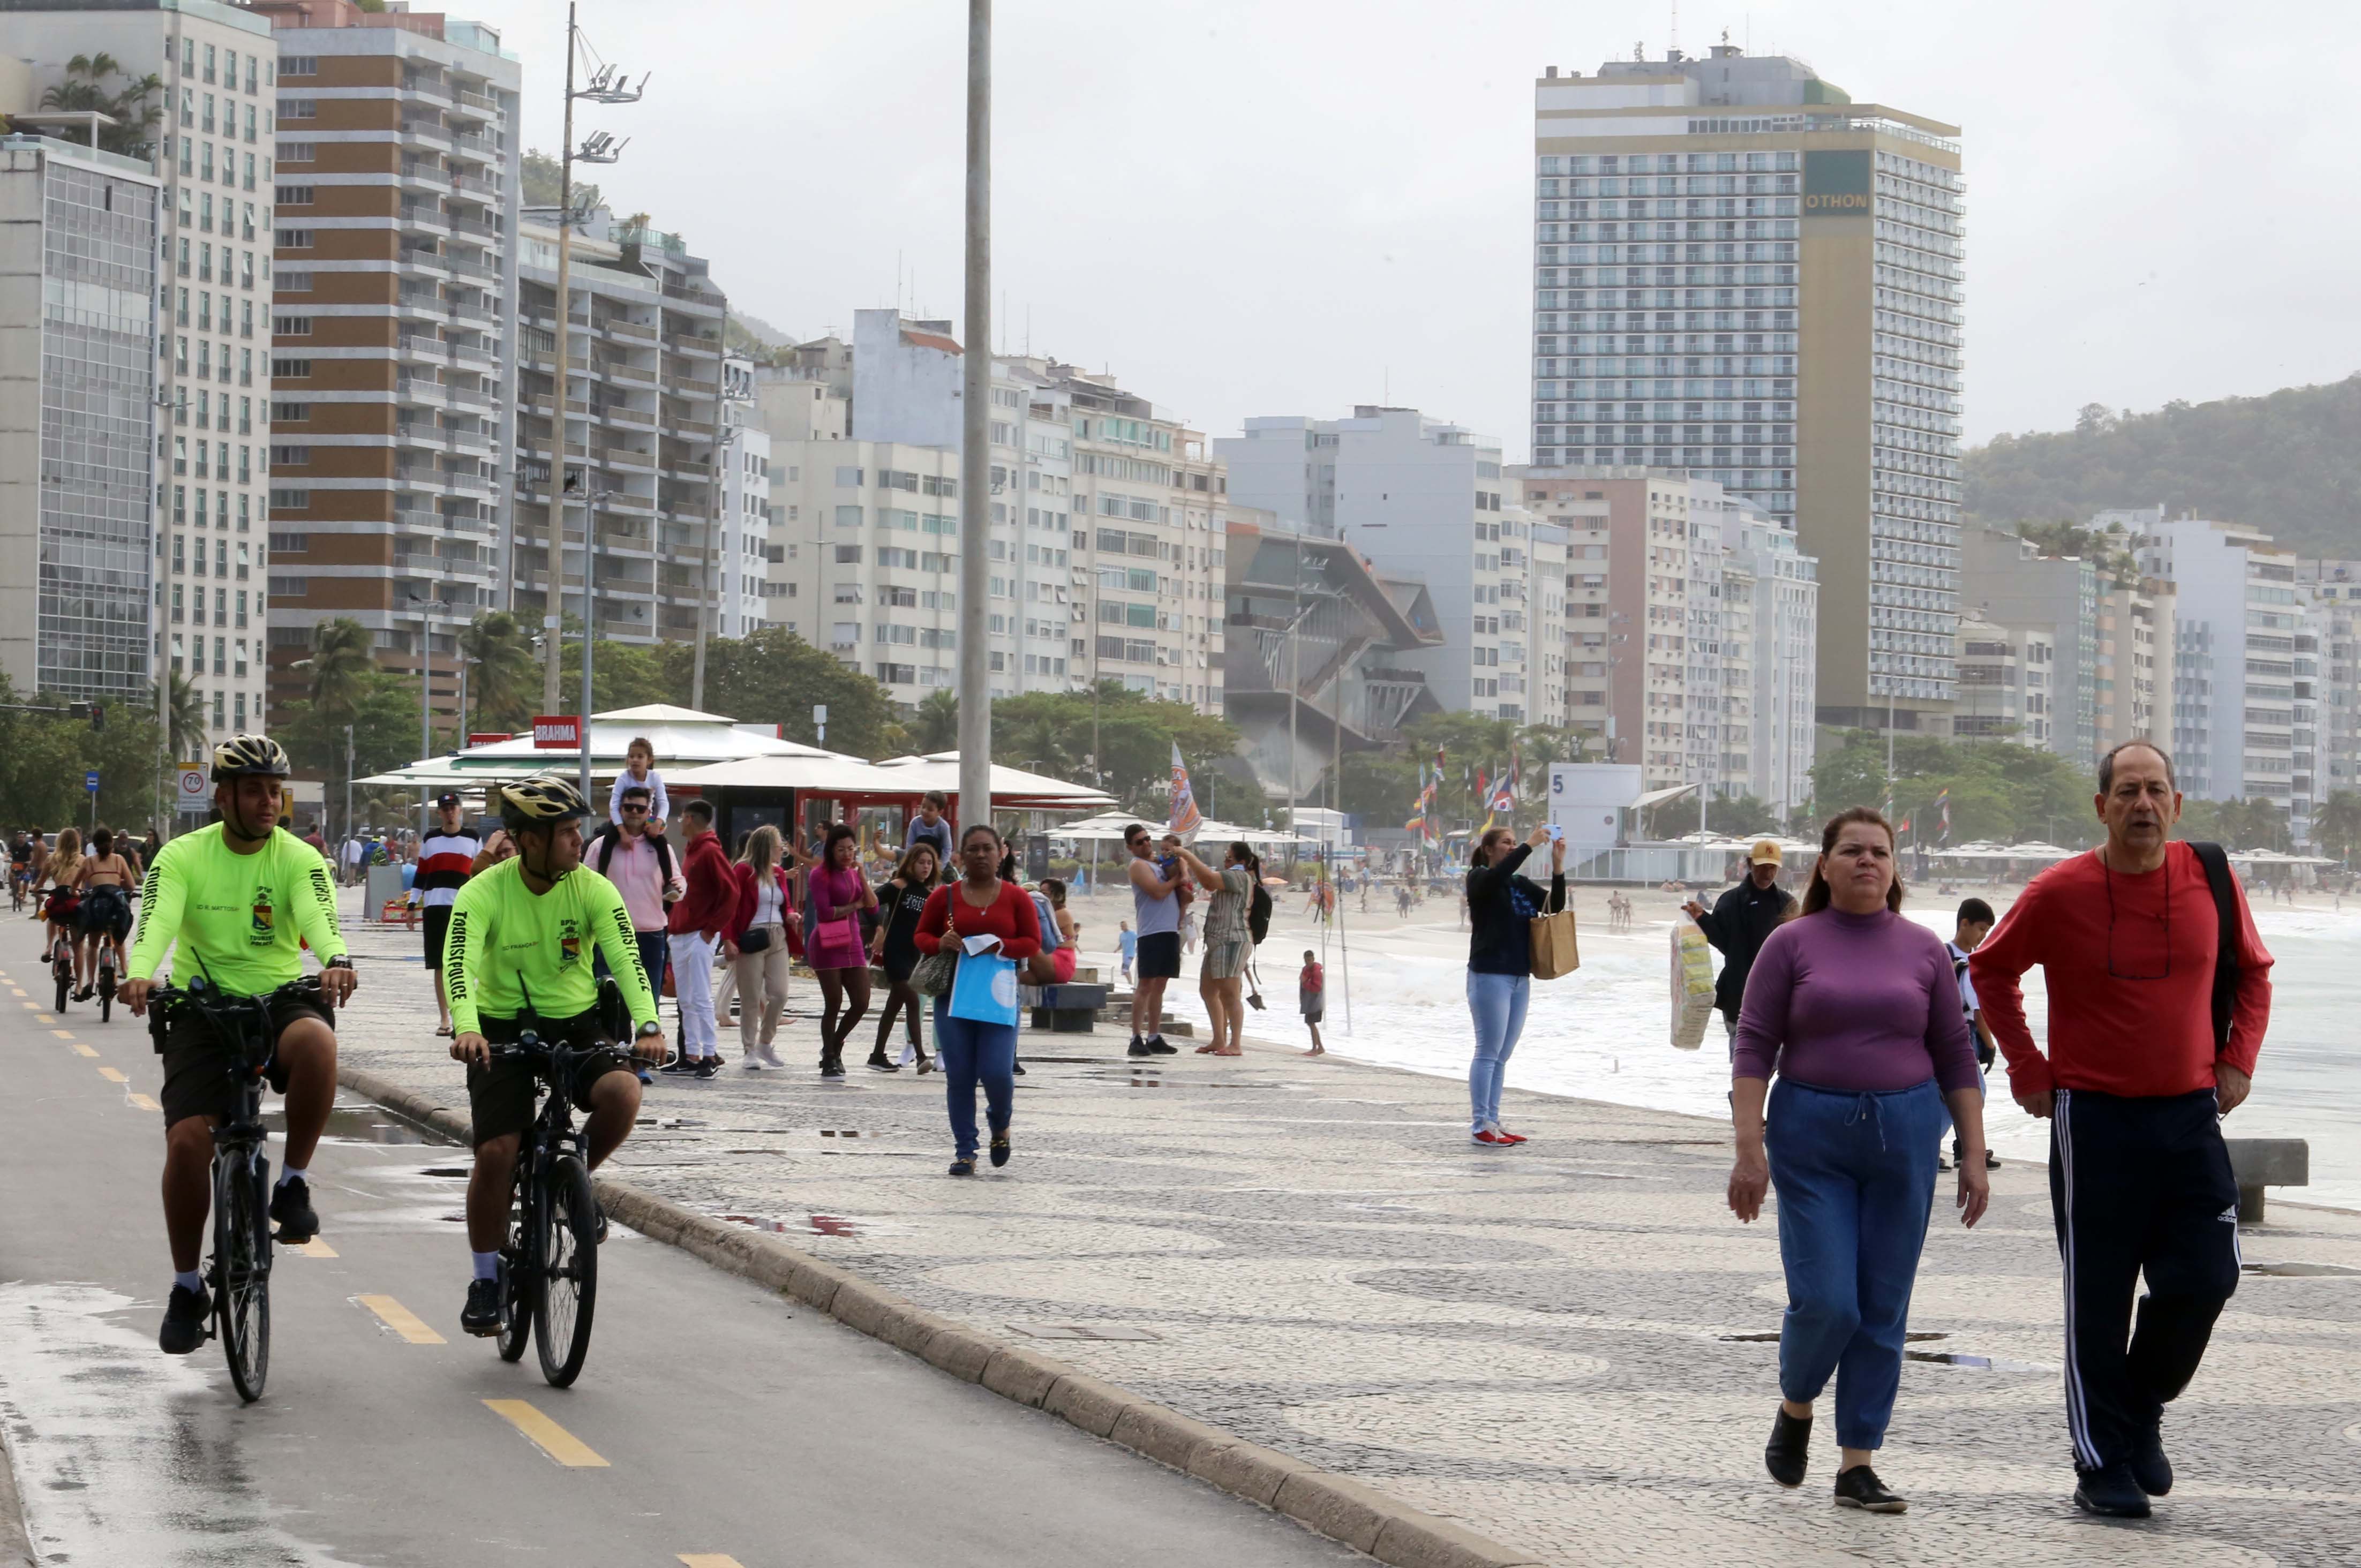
1855	1176
968	1051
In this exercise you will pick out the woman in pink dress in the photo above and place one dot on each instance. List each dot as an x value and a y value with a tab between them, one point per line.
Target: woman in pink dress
836	894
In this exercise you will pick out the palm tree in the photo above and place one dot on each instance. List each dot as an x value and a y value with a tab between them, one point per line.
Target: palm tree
501	671
934	724
2337	825
340	665
133	109
185	716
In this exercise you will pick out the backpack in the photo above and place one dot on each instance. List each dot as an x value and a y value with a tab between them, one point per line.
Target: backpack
1259	913
1047	920
603	849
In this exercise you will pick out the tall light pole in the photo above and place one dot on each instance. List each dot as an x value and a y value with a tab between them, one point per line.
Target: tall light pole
975	452
589	633
607	85
425	704
724	438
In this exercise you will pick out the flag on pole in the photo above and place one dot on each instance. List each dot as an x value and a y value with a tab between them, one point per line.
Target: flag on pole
1417	823
1186	819
1943	804
1504	792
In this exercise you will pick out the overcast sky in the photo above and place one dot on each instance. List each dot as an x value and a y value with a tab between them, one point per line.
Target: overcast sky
1289	206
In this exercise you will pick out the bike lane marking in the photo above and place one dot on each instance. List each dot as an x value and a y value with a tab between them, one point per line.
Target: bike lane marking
710	1560
83	1051
315	1247
141	1103
400	1318
114	1075
554	1439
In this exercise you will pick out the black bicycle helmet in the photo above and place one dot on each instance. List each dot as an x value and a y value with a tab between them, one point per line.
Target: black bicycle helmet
543	802
250	756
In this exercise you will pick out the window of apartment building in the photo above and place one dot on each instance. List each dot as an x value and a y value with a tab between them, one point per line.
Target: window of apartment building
294	239
849	517
291	543
291	326
848	554
298	109
290	456
291	369
293	195
299	65
289	587
848	479
299	152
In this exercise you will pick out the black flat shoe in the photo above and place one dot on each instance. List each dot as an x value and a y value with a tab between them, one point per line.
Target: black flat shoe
999	1149
963	1165
1859	1487
2111	1493
1786	1454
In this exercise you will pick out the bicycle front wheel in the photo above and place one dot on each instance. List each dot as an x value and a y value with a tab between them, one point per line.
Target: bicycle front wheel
567	1289
517	1273
242	1269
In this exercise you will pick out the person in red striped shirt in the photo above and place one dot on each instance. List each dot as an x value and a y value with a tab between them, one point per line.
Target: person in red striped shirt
447	857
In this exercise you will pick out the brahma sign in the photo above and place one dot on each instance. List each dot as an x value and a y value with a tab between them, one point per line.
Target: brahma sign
556	733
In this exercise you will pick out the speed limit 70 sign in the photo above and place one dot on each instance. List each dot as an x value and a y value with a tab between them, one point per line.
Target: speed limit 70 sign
192	792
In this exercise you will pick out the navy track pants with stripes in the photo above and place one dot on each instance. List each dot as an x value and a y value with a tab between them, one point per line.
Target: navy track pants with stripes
2137	1186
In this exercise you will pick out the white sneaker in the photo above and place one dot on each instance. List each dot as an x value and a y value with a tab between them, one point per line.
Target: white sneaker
750	1062
909	1053
770	1057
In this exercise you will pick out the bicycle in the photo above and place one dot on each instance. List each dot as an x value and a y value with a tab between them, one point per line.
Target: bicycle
60	951
549	1259
238	1272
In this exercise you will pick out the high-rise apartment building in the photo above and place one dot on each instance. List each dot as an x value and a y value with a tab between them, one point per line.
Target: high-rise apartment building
2235	680
2005	683
2334	689
79	246
1107	520
213	149
394	333
1771	595
1739	271
669	468
1423	500
2008	580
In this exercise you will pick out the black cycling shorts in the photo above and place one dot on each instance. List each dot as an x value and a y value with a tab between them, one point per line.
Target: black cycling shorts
501	1097
198	1080
436	921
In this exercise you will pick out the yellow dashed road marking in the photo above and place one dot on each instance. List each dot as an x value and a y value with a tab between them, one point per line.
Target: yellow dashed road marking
403	1321
141	1103
83	1051
315	1247
113	1075
39	1017
710	1560
554	1439
63	1034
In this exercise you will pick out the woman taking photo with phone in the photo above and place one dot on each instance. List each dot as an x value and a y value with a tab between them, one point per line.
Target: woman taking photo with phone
1502	905
1856	1012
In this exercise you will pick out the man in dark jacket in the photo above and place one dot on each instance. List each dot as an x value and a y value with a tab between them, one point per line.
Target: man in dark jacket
1741	921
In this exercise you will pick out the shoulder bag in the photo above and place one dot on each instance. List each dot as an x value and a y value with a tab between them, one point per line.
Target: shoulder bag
1554	952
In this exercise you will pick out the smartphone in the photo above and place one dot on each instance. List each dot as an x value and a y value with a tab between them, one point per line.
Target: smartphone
1554	831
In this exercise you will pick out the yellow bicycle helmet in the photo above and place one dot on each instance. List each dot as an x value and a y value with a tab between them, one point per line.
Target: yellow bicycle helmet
544	802
250	756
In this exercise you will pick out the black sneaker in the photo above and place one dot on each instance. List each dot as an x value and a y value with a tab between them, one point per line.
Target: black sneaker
878	1063
679	1067
1018	1068
185	1320
831	1067
707	1067
999	1150
2111	1492
1992	1160
1156	1046
482	1315
2150	1468
292	1207
1786	1454
1859	1487
1138	1047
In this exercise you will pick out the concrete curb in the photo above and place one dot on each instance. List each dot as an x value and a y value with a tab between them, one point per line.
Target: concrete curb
1333	1506
16	1531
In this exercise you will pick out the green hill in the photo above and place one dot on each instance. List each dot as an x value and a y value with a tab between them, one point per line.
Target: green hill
2289	463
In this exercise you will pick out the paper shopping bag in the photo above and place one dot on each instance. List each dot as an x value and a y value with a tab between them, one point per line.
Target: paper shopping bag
1555	952
1691	985
984	990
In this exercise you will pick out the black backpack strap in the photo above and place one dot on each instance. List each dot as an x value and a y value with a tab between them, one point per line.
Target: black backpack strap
2218	877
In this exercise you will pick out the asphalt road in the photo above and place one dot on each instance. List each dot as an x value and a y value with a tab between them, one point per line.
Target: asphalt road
715	1424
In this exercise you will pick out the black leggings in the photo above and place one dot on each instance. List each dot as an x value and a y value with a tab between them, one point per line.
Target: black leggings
839	987
903	998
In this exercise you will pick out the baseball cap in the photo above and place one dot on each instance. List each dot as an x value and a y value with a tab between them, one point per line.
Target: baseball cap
447	798
1766	852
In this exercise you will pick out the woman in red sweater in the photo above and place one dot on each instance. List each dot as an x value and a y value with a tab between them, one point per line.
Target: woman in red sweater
978	905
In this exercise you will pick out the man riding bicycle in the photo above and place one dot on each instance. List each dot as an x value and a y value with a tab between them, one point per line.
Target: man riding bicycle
238	897
516	958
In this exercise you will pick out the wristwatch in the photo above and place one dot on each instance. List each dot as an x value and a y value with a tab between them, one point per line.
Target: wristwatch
341	960
647	1029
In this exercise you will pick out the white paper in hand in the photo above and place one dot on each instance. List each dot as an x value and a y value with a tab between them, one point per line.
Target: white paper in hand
986	943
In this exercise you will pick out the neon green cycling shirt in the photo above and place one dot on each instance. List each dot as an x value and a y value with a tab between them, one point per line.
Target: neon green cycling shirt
507	942
238	919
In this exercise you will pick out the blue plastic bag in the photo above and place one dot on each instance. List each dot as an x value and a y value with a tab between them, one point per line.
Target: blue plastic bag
984	990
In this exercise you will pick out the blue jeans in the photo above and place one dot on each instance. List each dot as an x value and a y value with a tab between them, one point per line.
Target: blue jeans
967	1051
1497	1003
1855	1176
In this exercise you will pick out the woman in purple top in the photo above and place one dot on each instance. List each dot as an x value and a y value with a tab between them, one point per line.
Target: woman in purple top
1858	1011
836	894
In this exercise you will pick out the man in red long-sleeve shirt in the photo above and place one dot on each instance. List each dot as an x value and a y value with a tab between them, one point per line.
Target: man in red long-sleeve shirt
695	926
2137	1079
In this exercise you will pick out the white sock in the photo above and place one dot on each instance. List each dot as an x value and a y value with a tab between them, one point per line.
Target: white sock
291	1173
488	1265
189	1279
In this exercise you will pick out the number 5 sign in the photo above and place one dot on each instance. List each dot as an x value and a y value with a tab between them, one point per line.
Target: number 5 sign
193	793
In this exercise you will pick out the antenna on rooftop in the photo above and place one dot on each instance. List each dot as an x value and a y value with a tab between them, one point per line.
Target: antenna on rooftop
1676	51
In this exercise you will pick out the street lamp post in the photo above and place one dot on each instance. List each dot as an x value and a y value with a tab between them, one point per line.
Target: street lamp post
425	704
724	438
975	452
